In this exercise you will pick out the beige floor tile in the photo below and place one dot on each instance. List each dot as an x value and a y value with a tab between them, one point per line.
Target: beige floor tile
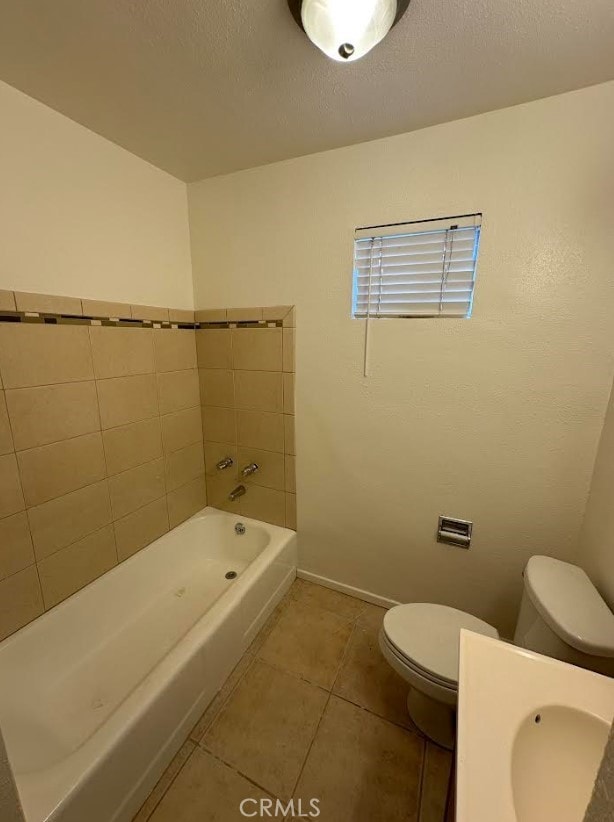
362	768
267	726
309	642
368	680
317	595
206	790
437	767
164	783
219	700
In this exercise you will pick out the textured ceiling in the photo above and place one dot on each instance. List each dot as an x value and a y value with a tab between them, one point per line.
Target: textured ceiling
204	87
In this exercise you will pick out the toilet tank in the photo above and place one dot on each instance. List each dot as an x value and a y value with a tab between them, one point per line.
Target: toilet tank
562	615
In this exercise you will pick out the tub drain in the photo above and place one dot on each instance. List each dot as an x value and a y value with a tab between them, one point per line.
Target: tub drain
231	574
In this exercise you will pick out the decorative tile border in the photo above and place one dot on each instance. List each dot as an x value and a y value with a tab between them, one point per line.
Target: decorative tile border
126	322
18	306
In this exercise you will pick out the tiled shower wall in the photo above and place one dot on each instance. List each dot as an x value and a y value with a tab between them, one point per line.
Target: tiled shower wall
101	433
246	368
100	443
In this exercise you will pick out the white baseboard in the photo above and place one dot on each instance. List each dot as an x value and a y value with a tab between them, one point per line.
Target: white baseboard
375	599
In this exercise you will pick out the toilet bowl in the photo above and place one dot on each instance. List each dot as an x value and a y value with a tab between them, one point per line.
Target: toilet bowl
421	642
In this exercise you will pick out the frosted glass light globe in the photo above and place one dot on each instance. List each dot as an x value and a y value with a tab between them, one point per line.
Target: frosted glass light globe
346	30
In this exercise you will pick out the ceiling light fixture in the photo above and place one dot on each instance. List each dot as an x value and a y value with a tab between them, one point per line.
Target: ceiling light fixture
346	30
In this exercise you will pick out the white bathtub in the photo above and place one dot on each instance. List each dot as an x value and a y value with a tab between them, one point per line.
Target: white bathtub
98	694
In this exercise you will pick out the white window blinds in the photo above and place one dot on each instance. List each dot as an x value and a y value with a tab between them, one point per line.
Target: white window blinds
416	270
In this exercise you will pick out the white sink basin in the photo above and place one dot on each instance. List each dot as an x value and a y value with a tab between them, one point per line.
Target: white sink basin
531	734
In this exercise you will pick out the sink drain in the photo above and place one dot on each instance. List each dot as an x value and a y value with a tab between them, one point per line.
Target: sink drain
231	574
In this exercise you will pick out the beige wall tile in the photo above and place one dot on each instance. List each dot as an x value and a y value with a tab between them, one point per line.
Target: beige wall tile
51	413
120	352
216	387
11	496
275	312
38	354
20	600
266	504
290	473
53	470
124	400
288	393
289	445
6	439
219	424
288	345
175	349
7	301
243	314
180	315
214	453
64	520
290	318
178	390
149	312
16	551
213	347
291	511
260	429
181	429
270	471
141	528
184	465
259	390
131	445
257	349
218	489
72	568
210	315
47	303
101	308
186	501
137	487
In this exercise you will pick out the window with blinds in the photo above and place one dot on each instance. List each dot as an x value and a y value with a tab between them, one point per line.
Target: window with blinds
416	269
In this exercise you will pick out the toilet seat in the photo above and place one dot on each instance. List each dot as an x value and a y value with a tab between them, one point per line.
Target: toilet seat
425	639
411	667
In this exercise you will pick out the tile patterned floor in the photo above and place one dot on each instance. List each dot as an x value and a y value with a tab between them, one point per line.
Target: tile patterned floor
312	710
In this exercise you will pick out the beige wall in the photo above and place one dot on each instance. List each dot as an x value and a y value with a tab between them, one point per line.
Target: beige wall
82	217
494	419
100	453
597	539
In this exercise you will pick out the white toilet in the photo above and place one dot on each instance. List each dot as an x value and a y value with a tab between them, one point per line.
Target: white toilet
421	643
562	615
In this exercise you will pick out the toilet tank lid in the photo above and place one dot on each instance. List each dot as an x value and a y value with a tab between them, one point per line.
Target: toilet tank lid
570	605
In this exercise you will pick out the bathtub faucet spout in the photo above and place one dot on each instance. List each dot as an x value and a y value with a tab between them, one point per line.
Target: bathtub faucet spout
236	493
